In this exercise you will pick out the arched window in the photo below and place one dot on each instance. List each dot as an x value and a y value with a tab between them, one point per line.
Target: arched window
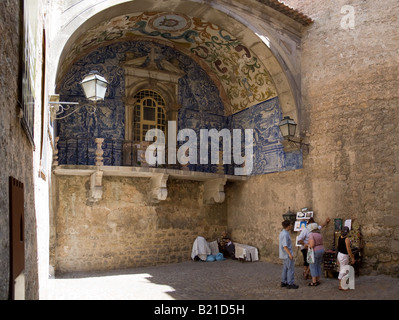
149	113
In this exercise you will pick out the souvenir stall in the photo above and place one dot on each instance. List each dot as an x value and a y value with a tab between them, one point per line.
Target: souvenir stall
300	221
331	268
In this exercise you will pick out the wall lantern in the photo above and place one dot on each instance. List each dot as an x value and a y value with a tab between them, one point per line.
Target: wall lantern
288	129
289	216
94	87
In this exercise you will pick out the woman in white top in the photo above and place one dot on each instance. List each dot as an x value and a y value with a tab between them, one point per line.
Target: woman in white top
303	239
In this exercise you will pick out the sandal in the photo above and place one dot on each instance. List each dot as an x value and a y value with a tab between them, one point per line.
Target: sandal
313	284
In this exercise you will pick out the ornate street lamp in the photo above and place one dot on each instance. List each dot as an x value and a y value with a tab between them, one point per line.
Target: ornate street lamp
288	129
94	87
290	216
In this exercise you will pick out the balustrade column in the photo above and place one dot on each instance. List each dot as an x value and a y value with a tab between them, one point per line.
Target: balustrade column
55	153
99	152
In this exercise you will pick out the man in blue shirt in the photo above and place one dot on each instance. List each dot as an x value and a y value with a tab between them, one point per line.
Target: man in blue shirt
286	254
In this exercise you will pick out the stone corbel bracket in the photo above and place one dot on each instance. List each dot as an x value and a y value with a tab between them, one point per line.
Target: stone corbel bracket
96	186
158	188
214	191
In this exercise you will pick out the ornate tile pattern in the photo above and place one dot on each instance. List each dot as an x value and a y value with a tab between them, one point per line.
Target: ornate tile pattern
244	79
201	108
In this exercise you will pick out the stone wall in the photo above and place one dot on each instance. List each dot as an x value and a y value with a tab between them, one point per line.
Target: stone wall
123	230
256	207
16	153
350	118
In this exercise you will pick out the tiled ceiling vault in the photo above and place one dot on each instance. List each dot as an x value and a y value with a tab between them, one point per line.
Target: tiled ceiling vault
238	69
242	78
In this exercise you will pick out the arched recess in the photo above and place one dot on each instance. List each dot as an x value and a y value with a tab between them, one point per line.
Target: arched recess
171	103
240	21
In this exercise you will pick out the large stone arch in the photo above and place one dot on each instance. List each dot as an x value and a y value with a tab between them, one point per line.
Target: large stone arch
272	36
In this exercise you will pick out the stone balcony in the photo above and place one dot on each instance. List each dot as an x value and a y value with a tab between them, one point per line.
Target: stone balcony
214	183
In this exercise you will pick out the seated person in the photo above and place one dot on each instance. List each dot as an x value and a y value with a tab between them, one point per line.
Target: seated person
222	241
230	248
226	246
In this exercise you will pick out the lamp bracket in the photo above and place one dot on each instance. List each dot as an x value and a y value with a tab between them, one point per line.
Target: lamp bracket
298	142
57	108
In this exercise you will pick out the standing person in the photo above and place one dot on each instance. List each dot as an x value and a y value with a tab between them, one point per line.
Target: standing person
316	243
303	239
344	253
286	254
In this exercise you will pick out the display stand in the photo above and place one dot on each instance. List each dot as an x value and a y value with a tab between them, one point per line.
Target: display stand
301	222
330	266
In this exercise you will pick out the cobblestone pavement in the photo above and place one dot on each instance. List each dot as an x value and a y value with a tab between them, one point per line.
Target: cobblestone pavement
229	279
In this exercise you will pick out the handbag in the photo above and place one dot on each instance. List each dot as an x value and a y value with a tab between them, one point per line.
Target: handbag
310	256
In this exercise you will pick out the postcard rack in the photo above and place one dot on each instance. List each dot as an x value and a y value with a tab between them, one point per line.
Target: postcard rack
330	256
330	263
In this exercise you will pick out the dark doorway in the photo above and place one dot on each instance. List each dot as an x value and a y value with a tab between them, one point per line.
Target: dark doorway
17	228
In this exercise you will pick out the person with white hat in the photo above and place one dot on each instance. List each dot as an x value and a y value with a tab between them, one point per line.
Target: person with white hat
303	240
315	243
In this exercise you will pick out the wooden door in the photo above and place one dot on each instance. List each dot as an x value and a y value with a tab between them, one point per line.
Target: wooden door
17	231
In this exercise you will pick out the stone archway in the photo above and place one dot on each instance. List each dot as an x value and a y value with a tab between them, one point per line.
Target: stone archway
270	35
239	56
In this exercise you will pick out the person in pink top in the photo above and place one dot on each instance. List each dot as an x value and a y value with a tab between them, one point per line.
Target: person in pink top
316	243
